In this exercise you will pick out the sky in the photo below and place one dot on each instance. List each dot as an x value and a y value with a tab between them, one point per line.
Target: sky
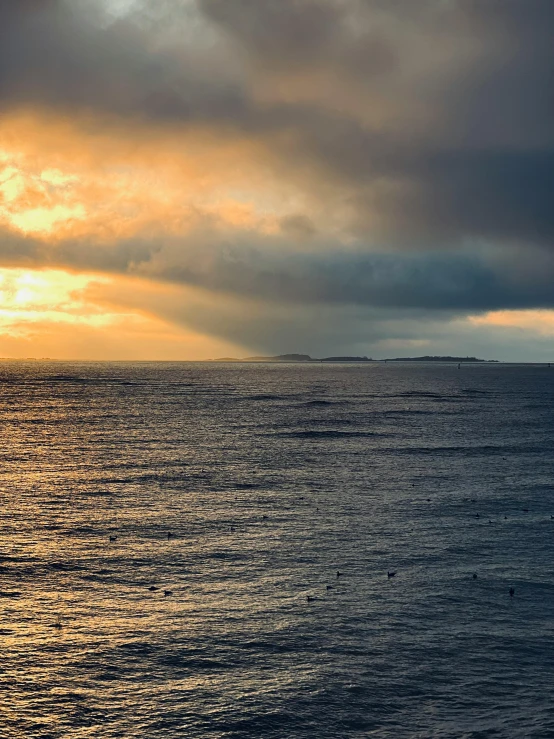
188	179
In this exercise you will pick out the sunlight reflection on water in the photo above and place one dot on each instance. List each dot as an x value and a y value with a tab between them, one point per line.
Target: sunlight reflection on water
270	479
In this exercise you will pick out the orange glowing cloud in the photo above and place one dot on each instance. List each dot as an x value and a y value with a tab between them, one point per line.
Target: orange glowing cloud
84	177
287	176
540	322
62	315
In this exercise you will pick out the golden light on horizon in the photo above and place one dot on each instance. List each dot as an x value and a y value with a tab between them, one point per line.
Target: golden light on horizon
539	321
67	315
105	188
28	296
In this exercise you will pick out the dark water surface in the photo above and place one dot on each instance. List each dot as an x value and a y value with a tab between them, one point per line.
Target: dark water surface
271	478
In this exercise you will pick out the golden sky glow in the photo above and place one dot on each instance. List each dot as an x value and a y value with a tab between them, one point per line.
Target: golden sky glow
194	178
112	187
105	190
107	187
535	321
60	315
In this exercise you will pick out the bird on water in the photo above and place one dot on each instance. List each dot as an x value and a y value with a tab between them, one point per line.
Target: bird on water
391	574
512	592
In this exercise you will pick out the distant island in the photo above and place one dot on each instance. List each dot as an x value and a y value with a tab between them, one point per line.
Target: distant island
281	358
308	358
293	358
438	359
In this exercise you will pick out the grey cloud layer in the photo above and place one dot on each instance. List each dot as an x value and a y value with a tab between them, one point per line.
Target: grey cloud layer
432	119
456	283
467	146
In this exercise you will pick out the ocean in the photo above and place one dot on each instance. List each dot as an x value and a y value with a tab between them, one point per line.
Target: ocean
206	551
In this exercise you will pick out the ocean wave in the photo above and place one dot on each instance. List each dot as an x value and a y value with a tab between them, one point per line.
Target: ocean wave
330	434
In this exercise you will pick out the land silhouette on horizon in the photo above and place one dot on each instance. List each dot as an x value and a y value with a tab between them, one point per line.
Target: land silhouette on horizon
308	358
292	358
430	358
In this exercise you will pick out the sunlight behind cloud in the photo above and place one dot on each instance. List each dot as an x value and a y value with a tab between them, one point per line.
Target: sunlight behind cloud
45	220
66	315
28	297
538	322
116	183
311	158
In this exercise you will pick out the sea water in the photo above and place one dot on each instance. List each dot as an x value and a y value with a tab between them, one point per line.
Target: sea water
243	490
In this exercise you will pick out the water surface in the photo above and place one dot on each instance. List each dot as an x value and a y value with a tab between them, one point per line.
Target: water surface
270	479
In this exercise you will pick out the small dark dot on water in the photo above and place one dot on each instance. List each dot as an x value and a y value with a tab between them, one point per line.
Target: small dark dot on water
474	576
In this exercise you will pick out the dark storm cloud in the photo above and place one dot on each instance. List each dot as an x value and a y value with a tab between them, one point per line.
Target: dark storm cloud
461	283
298	36
483	166
432	119
287	33
68	56
455	283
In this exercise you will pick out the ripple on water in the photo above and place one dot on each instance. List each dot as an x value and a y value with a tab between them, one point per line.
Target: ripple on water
270	480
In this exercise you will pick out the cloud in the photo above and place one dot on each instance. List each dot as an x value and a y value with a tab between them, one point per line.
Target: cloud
232	263
436	123
256	326
340	158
